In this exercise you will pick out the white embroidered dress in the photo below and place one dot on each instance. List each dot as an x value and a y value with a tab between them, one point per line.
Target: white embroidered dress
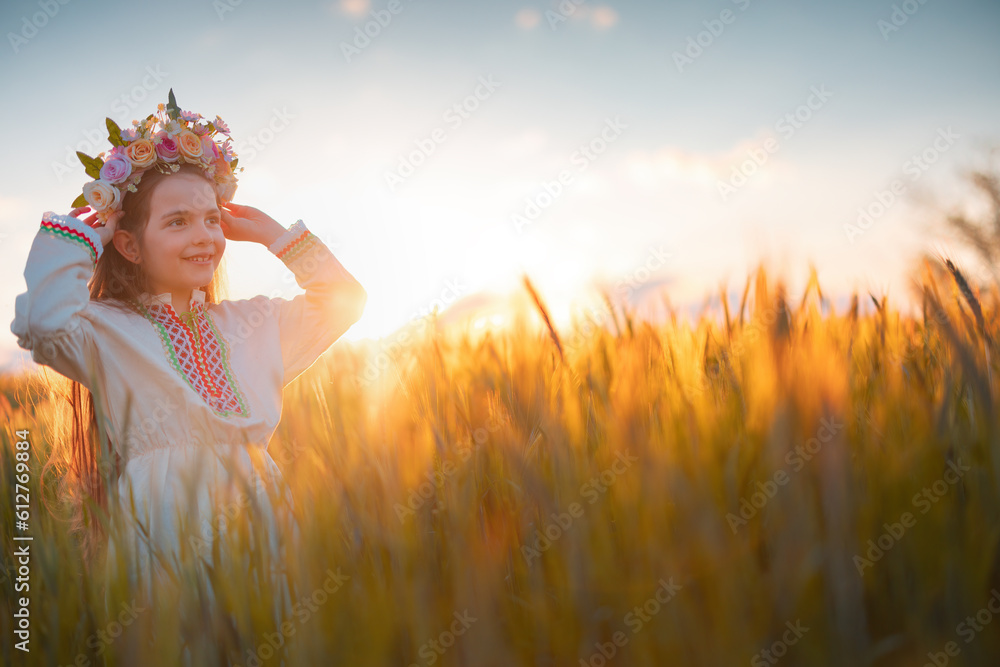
192	400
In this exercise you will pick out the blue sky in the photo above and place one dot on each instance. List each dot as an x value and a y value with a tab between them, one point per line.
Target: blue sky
320	131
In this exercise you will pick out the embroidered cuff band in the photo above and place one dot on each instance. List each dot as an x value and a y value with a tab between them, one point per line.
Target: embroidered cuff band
73	230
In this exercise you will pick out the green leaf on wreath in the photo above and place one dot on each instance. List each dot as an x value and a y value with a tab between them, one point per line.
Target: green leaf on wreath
114	133
172	109
91	164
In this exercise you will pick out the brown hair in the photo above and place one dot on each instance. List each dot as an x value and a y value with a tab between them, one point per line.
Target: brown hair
116	282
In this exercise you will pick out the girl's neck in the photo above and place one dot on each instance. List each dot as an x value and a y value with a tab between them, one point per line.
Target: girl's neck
180	301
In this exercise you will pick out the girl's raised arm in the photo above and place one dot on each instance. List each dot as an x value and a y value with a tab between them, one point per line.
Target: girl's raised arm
333	301
52	318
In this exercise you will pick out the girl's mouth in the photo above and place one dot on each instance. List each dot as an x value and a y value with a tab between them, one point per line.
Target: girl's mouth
200	259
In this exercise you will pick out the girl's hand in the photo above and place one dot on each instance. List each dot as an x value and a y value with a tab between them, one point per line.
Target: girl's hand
104	230
246	223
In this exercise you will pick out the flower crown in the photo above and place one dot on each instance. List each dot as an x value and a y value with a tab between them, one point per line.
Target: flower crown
161	141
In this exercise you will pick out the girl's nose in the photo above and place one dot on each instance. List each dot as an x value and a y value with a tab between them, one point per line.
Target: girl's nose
204	235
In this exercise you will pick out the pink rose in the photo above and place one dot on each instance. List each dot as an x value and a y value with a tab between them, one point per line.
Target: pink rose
166	147
116	168
209	151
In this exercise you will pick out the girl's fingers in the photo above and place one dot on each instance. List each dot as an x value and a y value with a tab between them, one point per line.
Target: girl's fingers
112	222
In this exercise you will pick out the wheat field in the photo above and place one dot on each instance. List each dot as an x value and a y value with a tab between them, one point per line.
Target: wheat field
774	482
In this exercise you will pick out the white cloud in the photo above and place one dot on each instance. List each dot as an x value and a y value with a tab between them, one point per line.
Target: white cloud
650	169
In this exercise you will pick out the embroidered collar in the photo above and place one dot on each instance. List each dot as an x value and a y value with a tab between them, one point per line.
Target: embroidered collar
165	298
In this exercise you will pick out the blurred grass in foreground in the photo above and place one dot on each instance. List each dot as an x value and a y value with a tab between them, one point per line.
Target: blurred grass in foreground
819	485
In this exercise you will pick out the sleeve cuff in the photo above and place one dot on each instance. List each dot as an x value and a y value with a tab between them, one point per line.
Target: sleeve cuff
293	242
73	230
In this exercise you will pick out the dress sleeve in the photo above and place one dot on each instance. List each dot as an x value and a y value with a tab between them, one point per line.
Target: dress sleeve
333	301
52	318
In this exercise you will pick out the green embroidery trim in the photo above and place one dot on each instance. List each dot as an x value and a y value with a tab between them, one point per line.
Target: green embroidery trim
168	346
225	363
63	234
299	248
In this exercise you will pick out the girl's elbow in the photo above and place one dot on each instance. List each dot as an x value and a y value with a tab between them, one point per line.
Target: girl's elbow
359	299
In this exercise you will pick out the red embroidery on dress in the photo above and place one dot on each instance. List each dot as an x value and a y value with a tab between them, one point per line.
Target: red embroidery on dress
68	232
199	354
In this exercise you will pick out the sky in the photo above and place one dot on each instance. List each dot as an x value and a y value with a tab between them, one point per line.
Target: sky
443	149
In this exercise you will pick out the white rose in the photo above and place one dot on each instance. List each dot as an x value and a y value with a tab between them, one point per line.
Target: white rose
101	195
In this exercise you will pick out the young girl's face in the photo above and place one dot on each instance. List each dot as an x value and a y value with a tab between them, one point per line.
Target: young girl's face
183	242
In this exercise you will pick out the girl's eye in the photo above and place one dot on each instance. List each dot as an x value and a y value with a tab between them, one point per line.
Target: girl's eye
181	220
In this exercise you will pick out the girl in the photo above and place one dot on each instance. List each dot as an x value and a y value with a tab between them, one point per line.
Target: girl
124	302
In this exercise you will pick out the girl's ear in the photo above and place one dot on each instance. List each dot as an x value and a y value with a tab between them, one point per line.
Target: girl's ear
125	242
